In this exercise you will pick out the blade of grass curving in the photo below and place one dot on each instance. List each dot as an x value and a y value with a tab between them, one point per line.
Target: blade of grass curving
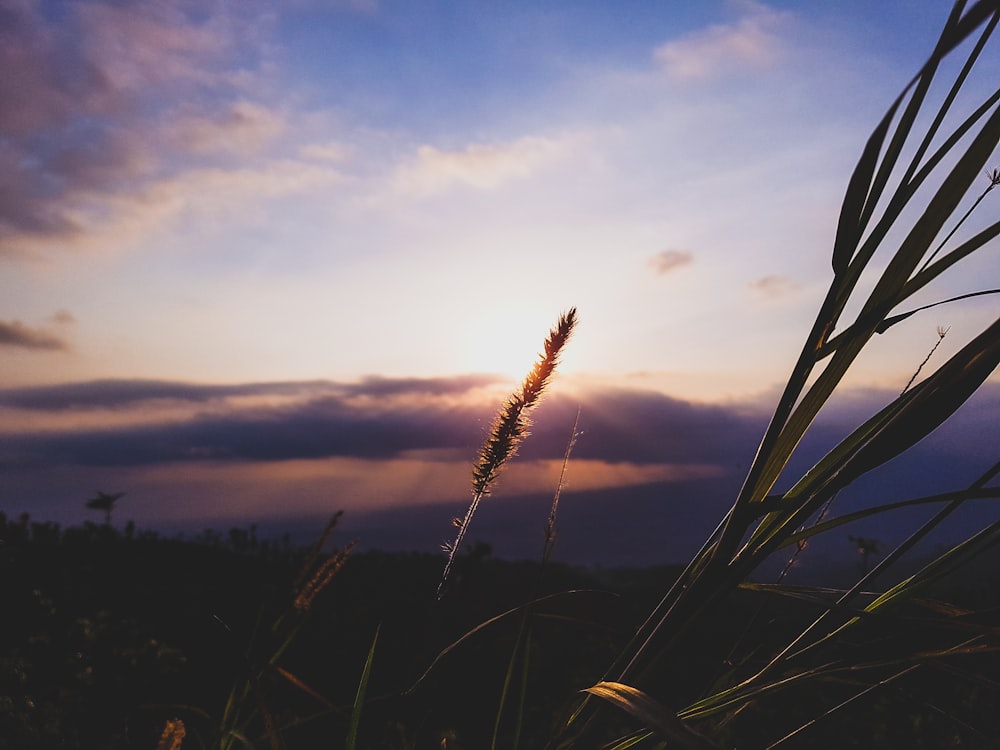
495	619
522	696
884	564
942	566
844	704
888	323
848	276
897	427
631	741
799	405
901	133
819	595
930	223
834	670
932	401
305	688
270	727
821	473
957	28
850	226
949	143
651	714
902	195
949	99
881	438
509	676
359	700
966	369
961	496
907	589
927	274
790	651
994	180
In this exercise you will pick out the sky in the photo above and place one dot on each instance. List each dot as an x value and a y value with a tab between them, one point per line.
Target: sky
262	261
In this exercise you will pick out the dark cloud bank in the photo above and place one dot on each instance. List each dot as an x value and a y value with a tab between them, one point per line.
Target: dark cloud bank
387	418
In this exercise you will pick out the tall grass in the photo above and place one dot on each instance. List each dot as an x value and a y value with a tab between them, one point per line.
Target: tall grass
509	428
921	176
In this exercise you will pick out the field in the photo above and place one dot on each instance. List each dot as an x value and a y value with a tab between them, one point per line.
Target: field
109	635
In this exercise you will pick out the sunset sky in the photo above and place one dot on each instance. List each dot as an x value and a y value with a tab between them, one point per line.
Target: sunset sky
264	260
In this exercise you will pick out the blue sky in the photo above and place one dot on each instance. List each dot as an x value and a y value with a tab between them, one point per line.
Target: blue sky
228	196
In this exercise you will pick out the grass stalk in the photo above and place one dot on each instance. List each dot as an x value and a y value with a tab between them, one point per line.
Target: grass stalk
509	428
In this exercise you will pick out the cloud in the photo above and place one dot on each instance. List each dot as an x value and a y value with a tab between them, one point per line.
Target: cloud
101	218
752	43
774	286
670	260
17	335
146	44
334	151
377	418
88	119
648	479
36	89
241	128
117	394
480	166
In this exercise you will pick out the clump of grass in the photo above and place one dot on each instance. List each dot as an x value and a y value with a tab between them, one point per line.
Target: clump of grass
321	576
911	166
509	428
312	577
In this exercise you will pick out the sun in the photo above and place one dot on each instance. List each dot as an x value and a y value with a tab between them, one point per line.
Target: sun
506	342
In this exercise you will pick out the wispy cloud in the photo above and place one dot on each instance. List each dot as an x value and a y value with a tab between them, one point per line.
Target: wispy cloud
751	43
774	286
117	394
669	261
17	335
90	112
242	128
480	166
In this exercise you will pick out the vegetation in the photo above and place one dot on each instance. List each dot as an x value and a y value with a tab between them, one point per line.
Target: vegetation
131	640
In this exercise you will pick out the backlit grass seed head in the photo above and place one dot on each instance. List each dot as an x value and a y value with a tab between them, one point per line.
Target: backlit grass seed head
511	424
316	549
321	576
509	428
172	736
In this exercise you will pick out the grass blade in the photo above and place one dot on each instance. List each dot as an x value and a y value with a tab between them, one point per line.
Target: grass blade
651	714
359	700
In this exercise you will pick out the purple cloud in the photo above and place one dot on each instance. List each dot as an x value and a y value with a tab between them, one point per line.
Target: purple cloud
86	118
15	334
774	286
